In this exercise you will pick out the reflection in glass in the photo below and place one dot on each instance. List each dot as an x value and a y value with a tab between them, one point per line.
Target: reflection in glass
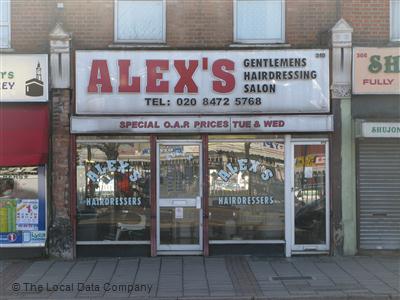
113	186
179	225
179	171
310	194
246	193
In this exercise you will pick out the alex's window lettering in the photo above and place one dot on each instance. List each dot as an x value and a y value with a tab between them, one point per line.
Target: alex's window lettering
139	21
259	21
246	194
113	181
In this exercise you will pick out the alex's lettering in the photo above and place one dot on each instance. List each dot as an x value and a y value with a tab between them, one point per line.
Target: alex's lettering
100	80
244	165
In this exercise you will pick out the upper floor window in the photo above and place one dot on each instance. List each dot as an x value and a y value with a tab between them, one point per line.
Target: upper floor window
5	33
395	20
140	21
259	21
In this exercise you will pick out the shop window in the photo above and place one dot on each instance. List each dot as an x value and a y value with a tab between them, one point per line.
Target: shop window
395	20
259	21
5	34
140	21
22	206
246	190
113	186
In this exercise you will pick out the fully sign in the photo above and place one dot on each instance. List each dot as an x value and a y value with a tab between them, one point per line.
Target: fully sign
376	70
202	82
23	78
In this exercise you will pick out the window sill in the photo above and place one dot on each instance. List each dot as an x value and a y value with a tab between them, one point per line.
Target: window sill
245	45
394	43
136	46
7	50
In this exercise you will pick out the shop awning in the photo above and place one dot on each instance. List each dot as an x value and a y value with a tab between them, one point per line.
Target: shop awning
24	134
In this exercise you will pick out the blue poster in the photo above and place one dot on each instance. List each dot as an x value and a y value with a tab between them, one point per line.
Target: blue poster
22	207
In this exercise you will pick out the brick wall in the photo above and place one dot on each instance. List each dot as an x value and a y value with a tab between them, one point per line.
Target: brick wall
370	20
195	24
202	24
308	22
31	22
91	23
60	229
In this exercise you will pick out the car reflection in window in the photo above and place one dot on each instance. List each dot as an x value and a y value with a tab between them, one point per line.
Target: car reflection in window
309	216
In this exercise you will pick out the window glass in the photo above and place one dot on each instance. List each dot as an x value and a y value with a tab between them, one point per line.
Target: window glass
4	24
395	19
4	36
246	194
259	21
179	171
4	4
22	205
113	185
140	20
310	194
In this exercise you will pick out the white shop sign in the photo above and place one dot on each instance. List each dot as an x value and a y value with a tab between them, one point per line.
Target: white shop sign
380	129
202	82
23	78
197	124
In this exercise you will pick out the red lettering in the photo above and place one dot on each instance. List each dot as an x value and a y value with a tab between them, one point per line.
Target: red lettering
99	77
124	85
274	123
267	123
186	75
154	82
227	82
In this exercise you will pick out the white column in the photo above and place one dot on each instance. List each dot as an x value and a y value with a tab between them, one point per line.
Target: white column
60	58
288	196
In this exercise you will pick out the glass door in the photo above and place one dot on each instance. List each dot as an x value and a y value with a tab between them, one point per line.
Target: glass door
179	200
310	196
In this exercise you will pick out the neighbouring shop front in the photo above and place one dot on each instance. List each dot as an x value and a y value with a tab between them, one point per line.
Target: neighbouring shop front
376	111
24	138
202	152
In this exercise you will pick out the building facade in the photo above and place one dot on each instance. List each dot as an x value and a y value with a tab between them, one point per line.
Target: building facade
199	127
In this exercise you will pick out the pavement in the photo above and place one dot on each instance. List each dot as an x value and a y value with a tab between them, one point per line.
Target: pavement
196	277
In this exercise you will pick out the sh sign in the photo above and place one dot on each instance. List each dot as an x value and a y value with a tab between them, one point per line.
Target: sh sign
376	70
202	82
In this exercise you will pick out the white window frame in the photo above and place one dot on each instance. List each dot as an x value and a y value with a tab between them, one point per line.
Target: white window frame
393	38
267	41
313	248
7	24
116	40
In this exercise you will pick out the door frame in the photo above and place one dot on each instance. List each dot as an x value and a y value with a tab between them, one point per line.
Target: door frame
310	247
184	248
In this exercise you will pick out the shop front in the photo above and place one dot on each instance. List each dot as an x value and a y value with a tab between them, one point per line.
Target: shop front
376	112
24	138
171	159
